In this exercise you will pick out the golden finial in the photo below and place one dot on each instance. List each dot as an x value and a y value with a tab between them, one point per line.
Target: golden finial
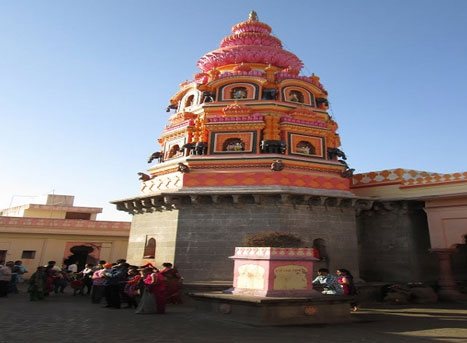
253	16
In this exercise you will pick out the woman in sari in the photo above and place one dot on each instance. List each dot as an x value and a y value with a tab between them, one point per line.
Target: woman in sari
174	283
37	284
158	287
147	303
51	274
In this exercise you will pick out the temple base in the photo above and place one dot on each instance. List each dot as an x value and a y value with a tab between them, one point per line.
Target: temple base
261	311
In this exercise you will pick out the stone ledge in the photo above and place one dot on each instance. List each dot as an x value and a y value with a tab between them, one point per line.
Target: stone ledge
270	311
241	196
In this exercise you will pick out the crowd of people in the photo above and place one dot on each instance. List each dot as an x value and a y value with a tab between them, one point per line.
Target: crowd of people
11	274
340	284
146	288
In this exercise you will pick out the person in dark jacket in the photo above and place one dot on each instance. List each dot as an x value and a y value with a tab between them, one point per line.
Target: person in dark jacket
115	280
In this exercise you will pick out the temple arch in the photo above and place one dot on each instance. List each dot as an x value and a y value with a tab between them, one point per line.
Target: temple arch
150	248
319	245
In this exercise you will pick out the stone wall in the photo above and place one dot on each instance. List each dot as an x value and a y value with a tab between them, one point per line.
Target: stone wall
160	225
207	235
199	233
394	243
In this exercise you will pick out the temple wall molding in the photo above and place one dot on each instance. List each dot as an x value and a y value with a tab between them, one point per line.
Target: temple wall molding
164	202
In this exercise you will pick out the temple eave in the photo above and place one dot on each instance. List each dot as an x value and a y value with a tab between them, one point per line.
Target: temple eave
273	195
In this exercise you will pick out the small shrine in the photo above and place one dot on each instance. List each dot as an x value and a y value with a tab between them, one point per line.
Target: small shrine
279	272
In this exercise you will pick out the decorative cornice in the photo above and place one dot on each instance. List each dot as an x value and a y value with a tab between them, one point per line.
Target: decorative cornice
181	118
246	161
172	129
236	73
267	253
293	121
179	200
232	119
406	178
243	125
63	226
236	110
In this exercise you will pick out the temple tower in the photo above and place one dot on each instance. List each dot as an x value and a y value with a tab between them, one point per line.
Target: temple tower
249	146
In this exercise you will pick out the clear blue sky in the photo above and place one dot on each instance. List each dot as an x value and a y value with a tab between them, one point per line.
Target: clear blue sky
84	84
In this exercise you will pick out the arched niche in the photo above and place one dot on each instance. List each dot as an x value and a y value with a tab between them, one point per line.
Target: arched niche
150	248
174	150
306	148
298	95
239	91
233	145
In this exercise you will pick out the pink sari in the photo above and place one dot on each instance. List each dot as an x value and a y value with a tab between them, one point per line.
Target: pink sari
156	284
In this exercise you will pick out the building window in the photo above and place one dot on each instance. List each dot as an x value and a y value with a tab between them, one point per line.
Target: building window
150	248
28	254
269	94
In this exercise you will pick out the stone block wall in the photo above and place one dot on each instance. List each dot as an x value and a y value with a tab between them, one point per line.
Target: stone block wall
160	225
394	243
199	234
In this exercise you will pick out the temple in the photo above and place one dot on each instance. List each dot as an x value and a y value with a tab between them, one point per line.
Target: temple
250	146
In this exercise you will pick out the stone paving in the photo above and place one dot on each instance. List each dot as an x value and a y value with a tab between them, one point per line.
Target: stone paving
68	318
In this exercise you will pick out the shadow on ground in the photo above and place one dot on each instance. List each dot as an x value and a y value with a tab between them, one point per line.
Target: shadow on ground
68	318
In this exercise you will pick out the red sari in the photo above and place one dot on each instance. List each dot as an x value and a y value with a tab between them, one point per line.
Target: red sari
174	285
344	284
157	285
51	277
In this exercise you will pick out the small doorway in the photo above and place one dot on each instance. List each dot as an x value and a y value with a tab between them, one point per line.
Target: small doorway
3	255
81	256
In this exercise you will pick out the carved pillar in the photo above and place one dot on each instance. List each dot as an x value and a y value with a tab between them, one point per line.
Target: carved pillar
448	287
275	128
267	131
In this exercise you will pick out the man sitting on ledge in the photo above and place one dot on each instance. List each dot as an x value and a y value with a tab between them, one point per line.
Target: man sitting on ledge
327	283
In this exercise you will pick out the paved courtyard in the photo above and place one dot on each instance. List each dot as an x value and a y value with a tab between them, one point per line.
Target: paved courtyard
69	318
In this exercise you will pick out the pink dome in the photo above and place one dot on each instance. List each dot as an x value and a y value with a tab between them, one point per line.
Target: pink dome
250	42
